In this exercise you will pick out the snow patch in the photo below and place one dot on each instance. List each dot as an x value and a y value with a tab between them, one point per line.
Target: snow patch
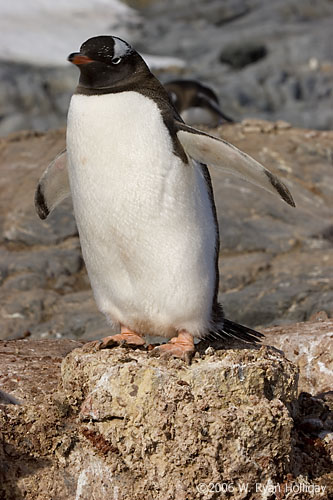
44	33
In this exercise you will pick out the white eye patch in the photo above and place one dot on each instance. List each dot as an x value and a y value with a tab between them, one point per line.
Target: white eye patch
120	49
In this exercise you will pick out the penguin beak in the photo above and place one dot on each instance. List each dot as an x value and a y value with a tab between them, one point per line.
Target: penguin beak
79	59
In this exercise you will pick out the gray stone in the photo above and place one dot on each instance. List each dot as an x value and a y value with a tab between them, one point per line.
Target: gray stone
29	230
51	262
240	55
24	281
309	346
291	81
22	309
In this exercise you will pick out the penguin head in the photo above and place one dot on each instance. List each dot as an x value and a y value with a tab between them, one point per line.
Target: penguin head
106	61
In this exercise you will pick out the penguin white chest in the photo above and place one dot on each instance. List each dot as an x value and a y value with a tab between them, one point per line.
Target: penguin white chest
145	219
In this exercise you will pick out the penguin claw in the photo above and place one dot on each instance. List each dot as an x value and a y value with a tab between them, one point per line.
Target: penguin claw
122	339
175	350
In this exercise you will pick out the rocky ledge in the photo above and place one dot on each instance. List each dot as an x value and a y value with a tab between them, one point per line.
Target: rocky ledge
119	424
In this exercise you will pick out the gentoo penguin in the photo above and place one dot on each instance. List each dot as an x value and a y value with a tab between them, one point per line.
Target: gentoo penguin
143	201
196	103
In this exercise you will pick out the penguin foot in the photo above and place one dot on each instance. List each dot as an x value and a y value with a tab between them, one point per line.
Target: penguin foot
126	337
122	339
181	347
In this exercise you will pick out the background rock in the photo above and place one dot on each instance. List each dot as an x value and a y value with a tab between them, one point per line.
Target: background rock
309	346
30	369
269	60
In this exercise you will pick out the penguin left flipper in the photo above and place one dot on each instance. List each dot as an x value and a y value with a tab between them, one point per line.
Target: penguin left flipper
213	151
53	186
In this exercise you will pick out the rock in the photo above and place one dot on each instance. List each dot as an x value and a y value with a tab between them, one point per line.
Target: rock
7	399
21	310
257	55
125	425
52	263
24	281
34	97
20	154
30	369
190	408
239	56
309	345
52	315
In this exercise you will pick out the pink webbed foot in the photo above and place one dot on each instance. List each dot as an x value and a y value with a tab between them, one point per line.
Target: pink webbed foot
126	337
181	347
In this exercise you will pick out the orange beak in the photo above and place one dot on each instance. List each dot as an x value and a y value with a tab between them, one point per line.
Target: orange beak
78	59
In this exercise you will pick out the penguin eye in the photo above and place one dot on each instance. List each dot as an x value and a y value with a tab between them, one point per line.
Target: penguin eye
116	60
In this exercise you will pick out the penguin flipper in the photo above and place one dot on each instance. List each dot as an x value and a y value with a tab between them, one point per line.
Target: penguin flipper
213	151
53	186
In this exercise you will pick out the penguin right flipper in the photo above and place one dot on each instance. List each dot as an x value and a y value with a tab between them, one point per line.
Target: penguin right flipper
213	151
53	186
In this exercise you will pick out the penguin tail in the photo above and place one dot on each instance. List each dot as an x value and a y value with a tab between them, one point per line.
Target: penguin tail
229	330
